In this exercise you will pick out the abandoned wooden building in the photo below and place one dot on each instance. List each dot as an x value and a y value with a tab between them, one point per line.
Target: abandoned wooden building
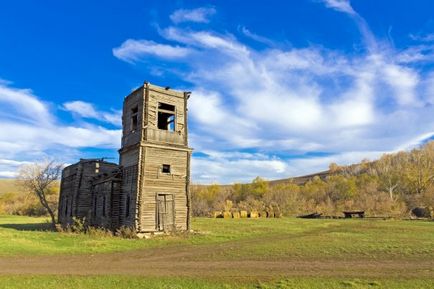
149	189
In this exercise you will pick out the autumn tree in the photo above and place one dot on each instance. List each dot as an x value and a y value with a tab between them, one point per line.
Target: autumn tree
388	169
259	187
39	179
419	169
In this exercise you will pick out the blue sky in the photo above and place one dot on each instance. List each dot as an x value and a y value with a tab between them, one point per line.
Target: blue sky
280	88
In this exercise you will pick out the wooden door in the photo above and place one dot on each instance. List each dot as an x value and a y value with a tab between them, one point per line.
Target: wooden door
165	212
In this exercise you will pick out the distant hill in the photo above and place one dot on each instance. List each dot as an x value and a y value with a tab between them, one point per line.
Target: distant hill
8	186
301	179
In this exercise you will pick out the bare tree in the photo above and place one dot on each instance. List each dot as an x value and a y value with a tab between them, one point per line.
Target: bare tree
39	179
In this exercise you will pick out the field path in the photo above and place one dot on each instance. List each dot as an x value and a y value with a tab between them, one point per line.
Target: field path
194	260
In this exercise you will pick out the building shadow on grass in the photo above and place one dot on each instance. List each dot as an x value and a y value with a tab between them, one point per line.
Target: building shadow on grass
28	227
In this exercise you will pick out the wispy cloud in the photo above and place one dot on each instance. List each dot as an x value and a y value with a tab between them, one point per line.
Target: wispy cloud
133	50
23	105
30	130
423	37
340	5
345	7
200	15
87	110
255	36
287	102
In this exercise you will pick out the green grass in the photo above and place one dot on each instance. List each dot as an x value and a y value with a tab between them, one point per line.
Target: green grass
239	240
243	238
21	235
107	282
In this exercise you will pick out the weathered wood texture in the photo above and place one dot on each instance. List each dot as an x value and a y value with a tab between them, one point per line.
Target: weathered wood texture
75	198
157	147
156	182
149	190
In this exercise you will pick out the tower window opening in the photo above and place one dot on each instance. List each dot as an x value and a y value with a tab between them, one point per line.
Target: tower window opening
134	118
165	169
166	116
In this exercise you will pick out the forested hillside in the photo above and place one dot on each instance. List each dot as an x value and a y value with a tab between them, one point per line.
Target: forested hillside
390	186
15	200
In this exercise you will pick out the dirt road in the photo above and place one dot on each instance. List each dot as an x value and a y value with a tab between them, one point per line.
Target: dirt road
194	260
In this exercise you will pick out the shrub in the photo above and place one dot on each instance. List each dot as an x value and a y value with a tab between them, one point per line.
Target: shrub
126	232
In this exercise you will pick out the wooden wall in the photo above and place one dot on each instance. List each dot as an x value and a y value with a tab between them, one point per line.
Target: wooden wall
75	199
156	182
105	202
171	97
135	99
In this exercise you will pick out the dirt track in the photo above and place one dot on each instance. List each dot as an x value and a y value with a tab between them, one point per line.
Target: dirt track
193	261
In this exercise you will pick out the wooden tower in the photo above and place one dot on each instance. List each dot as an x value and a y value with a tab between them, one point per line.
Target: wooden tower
155	160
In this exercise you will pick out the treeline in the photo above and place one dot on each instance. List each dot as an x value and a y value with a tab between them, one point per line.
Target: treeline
26	203
390	186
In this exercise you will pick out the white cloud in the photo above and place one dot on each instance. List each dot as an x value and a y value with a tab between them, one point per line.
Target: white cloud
87	110
415	142
255	36
22	104
230	167
207	40
200	15
289	101
340	5
31	131
82	108
429	88
12	162
220	168
424	38
132	50
345	7
404	81
8	174
8	168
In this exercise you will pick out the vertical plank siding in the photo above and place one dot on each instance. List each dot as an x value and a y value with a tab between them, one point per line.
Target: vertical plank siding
138	192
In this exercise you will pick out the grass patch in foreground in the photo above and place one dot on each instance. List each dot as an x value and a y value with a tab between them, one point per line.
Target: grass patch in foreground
241	239
21	235
107	282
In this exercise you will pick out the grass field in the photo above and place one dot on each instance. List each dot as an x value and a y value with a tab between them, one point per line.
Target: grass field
236	253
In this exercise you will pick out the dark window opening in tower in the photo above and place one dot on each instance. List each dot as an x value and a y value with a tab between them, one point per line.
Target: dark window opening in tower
103	206
165	169
134	118
66	207
166	116
127	205
94	206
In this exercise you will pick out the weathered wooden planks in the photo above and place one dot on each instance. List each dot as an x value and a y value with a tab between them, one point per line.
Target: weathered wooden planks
150	187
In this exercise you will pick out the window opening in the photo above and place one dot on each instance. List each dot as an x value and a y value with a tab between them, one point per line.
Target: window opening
134	118
165	169
94	206
166	116
127	210
66	207
103	206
